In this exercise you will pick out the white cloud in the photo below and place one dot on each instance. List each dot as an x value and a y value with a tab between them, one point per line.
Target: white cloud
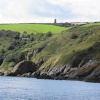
84	10
15	11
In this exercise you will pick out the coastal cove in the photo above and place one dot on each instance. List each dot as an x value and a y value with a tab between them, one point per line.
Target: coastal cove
49	50
18	88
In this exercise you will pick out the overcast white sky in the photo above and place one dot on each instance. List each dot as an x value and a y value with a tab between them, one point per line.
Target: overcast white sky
31	11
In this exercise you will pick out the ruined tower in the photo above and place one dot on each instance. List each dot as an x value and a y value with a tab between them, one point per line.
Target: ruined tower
55	21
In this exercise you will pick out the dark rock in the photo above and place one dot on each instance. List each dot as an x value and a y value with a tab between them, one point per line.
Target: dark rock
95	75
40	63
1	61
11	47
10	74
74	36
6	73
45	76
57	72
81	73
66	70
90	63
24	67
35	74
77	60
26	75
1	73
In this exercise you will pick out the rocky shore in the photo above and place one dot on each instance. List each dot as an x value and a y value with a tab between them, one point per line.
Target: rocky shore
89	71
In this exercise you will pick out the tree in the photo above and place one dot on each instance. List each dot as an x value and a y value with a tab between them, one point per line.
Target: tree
2	51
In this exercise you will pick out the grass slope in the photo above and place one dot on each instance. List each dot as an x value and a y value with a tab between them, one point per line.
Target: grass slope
56	50
91	24
32	28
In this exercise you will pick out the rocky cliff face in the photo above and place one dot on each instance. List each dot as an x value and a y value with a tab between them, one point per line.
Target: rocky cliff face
82	67
90	71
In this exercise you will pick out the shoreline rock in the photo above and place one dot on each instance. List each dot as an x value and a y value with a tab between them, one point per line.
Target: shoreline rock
89	72
22	68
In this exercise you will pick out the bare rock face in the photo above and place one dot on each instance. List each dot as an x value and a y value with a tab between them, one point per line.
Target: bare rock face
95	75
1	73
1	61
24	67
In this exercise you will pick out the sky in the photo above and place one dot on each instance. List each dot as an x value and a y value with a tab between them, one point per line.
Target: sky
45	11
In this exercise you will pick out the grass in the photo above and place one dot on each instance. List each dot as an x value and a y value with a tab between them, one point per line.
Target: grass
91	24
59	49
32	28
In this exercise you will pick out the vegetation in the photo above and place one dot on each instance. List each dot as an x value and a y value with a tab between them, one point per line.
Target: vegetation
52	49
92	24
32	28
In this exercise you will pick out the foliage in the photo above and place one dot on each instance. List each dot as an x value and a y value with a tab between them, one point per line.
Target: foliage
52	49
74	36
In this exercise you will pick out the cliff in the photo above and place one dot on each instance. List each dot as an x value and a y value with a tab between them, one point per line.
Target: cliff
72	54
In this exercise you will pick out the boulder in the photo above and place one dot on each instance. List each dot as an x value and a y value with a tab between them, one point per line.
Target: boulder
26	75
1	73
6	73
24	67
95	75
1	61
35	74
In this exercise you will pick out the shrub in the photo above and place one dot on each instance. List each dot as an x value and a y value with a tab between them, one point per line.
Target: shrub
11	47
38	36
73	36
15	57
80	40
2	51
32	37
48	34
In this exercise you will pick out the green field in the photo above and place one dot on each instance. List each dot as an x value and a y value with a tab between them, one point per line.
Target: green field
91	24
32	28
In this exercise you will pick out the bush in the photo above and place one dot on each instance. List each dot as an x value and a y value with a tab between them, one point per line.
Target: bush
74	36
32	37
48	34
38	36
80	40
15	57
11	47
2	51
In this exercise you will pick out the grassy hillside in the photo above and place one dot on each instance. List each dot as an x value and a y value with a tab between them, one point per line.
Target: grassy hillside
91	24
54	50
32	28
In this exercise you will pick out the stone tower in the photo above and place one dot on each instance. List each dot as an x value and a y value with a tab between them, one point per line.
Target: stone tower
55	21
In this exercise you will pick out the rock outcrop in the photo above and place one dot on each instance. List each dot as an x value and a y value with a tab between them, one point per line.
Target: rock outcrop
90	71
1	73
23	67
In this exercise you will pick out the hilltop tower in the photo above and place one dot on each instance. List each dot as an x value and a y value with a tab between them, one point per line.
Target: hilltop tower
55	21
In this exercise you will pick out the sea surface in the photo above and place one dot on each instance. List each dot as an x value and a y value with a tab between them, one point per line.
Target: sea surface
17	88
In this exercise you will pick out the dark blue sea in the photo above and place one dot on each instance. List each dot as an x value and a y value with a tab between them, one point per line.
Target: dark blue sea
17	88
